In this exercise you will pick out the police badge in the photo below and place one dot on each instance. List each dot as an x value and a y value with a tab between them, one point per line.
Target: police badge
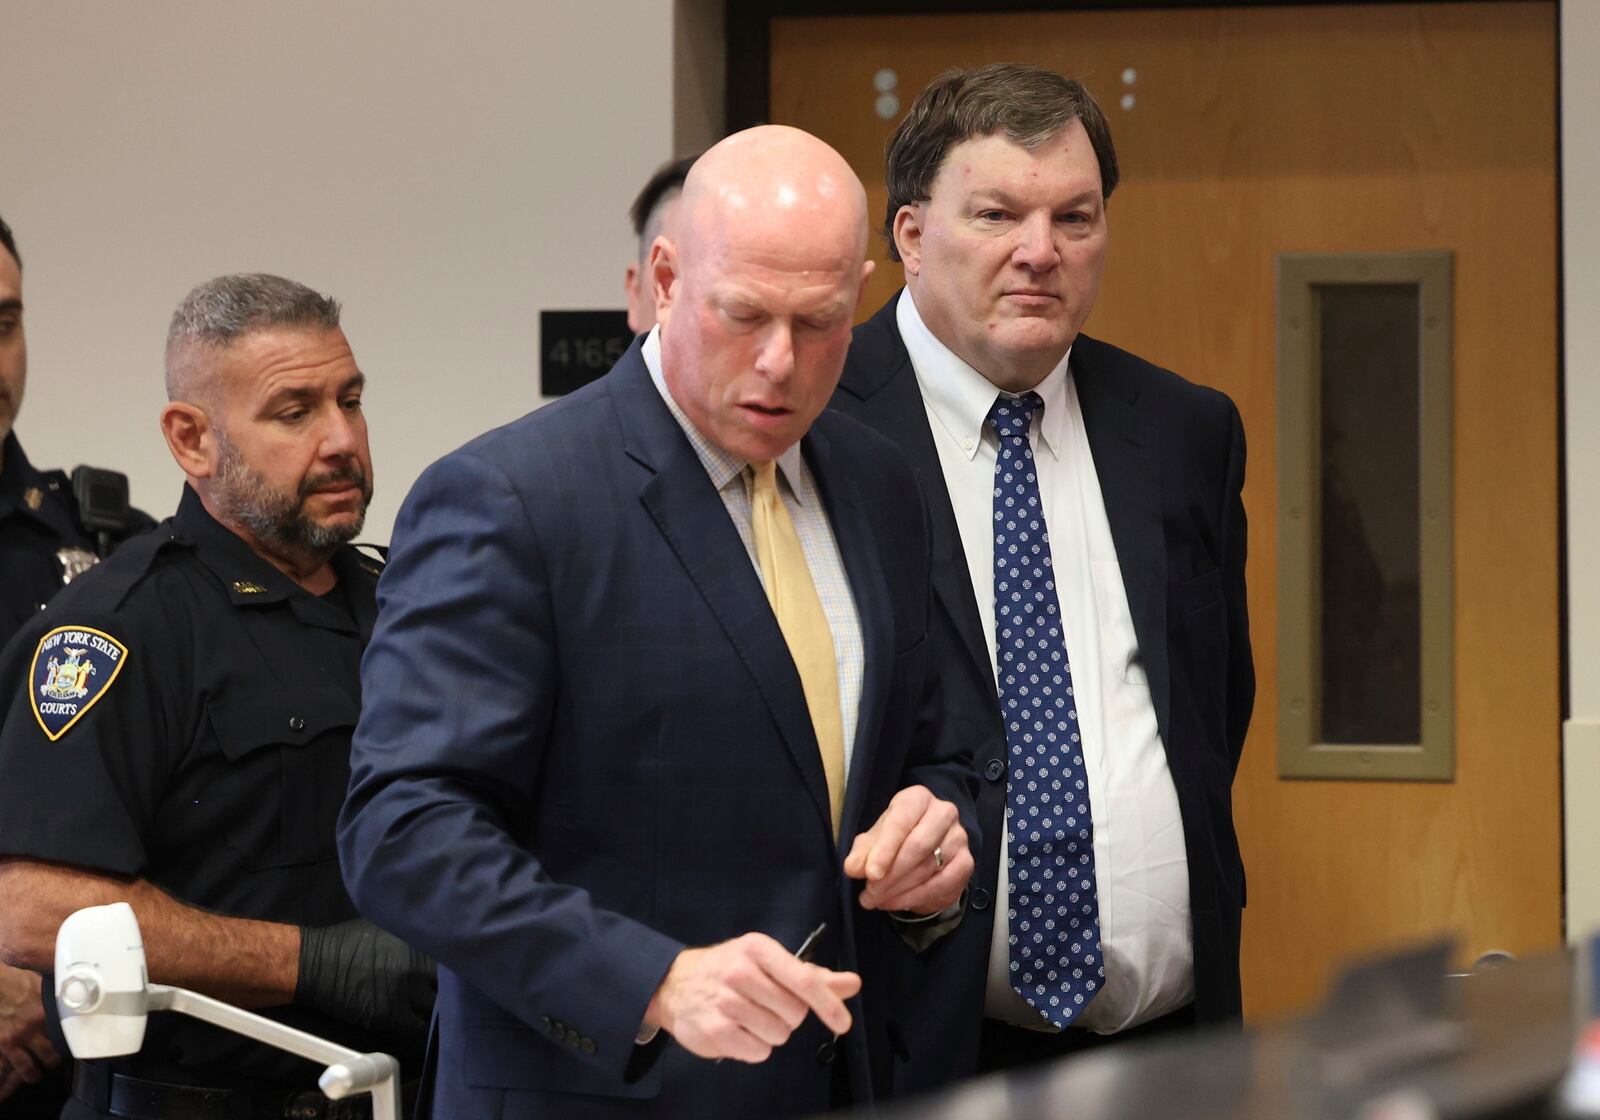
74	562
72	668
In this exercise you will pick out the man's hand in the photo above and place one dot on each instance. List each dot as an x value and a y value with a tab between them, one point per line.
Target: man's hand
743	998
914	857
25	1050
364	975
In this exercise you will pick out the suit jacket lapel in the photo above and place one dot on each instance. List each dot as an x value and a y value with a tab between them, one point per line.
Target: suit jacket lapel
858	549
1125	442
689	513
880	376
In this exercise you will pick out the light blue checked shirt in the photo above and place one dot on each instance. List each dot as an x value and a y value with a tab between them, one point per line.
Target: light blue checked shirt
799	492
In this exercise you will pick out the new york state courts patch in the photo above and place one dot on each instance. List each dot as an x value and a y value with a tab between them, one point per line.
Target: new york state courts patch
72	668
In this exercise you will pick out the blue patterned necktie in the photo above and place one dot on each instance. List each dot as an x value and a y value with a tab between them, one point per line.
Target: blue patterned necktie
1055	916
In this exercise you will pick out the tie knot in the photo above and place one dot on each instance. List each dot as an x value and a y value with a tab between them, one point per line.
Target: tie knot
765	472
1010	416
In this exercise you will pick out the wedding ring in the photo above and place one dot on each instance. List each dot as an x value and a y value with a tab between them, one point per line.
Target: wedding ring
938	857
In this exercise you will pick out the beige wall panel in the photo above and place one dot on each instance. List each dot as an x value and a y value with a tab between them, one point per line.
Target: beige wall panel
445	170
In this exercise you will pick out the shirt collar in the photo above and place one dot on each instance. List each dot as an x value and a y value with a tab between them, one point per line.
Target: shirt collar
722	466
17	475
960	397
25	491
250	580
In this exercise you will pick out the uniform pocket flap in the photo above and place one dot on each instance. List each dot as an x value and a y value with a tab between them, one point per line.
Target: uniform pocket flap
251	720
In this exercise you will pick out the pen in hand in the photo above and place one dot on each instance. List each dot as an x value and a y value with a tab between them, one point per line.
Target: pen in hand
808	947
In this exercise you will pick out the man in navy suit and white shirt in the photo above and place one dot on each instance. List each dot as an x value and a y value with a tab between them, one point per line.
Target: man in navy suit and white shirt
997	183
651	697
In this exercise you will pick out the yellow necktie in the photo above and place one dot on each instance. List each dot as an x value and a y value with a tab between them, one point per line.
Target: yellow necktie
805	627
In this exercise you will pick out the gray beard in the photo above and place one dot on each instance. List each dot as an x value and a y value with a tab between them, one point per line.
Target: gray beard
276	519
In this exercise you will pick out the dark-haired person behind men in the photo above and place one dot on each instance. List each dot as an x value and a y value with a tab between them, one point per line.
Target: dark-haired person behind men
44	544
177	722
651	212
1086	517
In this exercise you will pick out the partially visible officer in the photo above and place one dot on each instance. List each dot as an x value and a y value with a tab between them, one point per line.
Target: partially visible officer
46	537
45	541
177	729
651	213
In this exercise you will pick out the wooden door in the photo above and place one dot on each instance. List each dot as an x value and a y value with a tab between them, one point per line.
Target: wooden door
1250	132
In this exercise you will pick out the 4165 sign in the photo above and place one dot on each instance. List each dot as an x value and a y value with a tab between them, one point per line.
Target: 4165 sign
578	346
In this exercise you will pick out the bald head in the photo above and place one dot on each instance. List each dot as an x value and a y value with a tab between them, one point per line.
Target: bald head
779	183
757	286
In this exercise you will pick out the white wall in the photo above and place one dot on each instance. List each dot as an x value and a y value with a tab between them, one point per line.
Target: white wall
1580	188
446	170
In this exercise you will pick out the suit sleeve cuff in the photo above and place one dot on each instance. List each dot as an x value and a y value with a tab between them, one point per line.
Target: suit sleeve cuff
921	931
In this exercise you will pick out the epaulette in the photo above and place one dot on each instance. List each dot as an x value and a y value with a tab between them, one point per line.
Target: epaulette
371	557
115	577
59	488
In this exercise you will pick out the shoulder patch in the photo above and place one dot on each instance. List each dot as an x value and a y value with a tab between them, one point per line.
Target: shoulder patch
72	668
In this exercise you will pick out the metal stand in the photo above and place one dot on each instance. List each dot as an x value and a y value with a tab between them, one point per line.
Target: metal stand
349	1071
104	995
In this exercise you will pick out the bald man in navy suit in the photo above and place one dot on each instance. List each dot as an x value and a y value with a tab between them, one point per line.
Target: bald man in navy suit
651	699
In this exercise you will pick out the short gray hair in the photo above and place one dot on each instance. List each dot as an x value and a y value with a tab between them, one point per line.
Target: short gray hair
219	312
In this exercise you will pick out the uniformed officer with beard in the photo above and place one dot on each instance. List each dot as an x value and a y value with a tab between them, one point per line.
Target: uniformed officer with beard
178	725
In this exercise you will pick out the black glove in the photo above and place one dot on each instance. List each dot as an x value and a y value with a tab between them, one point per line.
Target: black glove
361	974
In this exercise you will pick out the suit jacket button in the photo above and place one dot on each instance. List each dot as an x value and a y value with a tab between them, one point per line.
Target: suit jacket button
980	898
558	1028
544	1023
995	770
825	1052
572	1037
586	1044
296	723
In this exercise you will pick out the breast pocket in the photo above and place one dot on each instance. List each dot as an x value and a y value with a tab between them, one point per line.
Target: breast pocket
1198	593
292	746
1201	626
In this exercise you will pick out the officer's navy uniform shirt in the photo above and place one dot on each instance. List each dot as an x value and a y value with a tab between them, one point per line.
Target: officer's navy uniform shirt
38	518
212	764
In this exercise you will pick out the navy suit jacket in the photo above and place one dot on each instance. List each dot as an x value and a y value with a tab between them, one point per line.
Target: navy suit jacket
584	746
1170	457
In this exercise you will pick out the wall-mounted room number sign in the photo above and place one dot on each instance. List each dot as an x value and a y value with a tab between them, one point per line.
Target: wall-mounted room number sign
578	346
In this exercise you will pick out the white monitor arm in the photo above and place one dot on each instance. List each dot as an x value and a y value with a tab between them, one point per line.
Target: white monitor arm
103	995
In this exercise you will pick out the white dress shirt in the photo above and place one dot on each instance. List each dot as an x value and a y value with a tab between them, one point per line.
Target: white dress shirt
1141	868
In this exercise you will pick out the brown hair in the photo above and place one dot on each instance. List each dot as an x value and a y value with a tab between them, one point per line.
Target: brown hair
1028	103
